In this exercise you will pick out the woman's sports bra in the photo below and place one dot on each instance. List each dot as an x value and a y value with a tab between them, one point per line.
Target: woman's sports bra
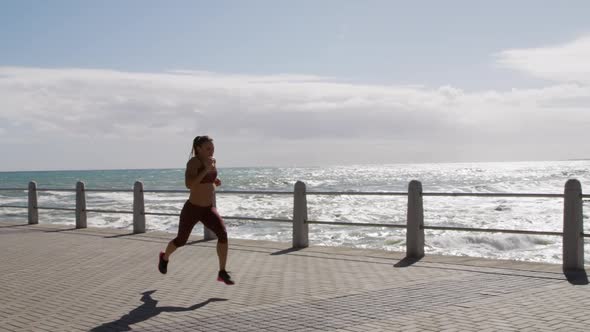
210	177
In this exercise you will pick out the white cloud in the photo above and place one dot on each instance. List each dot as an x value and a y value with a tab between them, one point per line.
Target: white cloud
567	62
82	118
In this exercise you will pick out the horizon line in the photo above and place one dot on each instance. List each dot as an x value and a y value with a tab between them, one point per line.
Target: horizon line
291	166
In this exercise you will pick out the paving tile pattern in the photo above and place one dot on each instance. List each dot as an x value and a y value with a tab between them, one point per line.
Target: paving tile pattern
55	278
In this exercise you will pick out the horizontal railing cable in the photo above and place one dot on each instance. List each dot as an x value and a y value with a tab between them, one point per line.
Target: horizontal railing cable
14	206
55	208
494	195
108	211
57	189
357	193
255	192
343	223
161	214
110	190
251	192
224	217
257	219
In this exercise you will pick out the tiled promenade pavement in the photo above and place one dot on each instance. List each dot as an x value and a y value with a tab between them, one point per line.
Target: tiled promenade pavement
55	278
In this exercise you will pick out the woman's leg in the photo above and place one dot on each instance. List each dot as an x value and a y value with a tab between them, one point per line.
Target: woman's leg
185	227
214	222
222	249
170	248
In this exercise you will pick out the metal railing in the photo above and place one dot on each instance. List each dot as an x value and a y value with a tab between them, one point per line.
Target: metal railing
573	235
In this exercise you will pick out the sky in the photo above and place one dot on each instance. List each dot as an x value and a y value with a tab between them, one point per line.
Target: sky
128	84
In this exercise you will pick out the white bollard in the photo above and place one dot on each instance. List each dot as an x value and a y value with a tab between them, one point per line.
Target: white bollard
138	208
415	222
300	225
573	242
33	211
80	205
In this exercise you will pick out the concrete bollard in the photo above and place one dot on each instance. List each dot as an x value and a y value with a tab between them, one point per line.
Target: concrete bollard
300	225
573	242
80	205
207	233
33	211
415	222
138	208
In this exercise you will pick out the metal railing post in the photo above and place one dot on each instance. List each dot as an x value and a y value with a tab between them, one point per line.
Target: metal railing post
207	233
415	222
33	211
80	205
138	208
300	225
573	242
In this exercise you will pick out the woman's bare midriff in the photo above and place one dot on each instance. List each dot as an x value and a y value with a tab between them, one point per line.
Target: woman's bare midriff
202	194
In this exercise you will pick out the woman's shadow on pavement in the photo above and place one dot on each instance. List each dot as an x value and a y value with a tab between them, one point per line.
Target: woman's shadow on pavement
144	312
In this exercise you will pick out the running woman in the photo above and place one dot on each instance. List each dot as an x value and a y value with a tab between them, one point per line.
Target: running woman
201	179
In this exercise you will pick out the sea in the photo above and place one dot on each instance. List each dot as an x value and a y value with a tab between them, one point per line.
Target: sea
538	214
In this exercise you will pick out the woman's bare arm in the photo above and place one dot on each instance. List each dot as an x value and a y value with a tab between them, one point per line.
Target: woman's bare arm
192	174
